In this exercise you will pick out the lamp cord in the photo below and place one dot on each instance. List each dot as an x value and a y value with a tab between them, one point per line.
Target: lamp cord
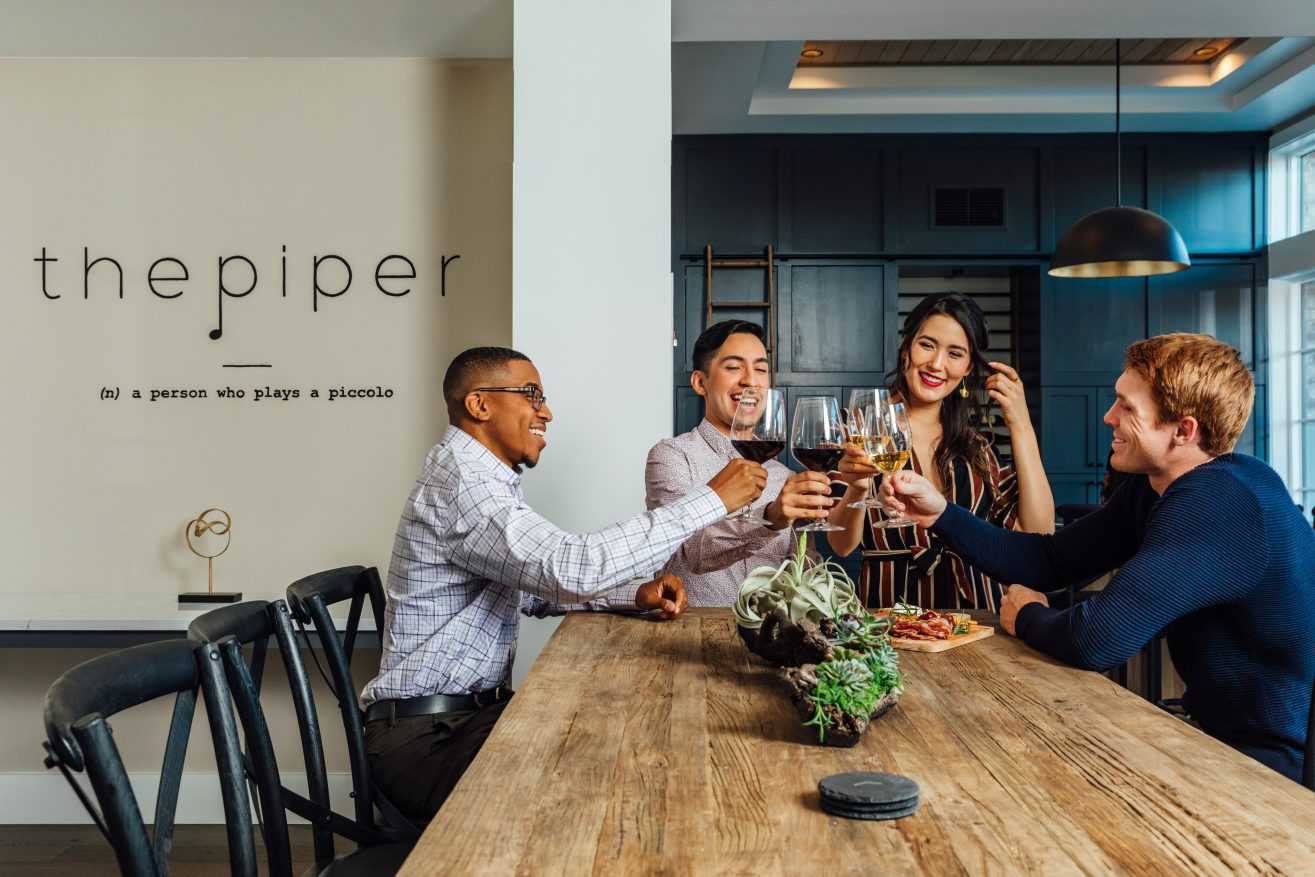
1118	127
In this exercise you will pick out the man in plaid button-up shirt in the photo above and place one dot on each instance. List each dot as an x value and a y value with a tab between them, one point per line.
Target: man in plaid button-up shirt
470	554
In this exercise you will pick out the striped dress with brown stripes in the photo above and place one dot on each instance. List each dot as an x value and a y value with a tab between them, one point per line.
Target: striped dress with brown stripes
911	564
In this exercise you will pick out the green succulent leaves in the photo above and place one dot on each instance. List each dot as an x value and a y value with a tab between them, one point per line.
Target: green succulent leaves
852	682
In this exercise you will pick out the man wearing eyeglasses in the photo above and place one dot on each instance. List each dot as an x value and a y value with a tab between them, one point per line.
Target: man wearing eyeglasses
470	554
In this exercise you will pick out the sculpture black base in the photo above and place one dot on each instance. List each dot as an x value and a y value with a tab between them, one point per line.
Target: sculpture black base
206	597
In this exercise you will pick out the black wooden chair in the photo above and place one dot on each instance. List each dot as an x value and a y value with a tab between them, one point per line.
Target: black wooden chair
309	600
252	624
79	739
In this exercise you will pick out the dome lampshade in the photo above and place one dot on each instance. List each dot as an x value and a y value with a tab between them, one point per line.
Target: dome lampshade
1119	242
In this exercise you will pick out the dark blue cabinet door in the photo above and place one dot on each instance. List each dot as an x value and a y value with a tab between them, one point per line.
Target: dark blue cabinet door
1085	326
730	198
833	326
1214	299
1068	429
1102	434
836	201
688	411
1209	190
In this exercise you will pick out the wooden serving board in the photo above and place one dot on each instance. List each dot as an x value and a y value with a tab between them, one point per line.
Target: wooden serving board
940	645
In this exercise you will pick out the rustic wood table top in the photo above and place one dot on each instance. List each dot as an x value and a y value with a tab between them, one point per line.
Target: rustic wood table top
640	747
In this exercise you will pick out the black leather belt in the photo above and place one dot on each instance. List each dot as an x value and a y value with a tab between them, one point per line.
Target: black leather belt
435	703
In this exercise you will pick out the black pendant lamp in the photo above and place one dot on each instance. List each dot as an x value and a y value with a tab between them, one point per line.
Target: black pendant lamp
1119	241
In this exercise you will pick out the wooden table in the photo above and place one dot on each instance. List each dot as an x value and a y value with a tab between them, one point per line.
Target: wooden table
639	747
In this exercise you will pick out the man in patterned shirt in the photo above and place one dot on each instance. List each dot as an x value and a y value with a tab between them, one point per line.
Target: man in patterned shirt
470	554
728	358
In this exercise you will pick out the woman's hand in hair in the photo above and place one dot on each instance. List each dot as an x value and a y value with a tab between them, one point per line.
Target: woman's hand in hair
1006	388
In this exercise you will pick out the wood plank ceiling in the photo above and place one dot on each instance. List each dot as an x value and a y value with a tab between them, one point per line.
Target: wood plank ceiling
876	53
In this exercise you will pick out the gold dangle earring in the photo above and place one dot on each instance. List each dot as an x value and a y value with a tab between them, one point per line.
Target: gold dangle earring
963	389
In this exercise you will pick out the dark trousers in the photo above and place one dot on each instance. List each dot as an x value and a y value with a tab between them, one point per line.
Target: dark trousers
417	761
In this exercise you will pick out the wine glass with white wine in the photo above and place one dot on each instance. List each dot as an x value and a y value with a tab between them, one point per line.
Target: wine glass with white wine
861	419
890	446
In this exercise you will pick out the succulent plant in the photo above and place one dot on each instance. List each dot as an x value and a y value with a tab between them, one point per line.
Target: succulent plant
851	684
862	632
804	587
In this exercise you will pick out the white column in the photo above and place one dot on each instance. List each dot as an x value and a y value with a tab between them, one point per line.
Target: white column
591	242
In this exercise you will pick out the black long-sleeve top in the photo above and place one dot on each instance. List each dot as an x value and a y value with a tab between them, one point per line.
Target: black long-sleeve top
1223	563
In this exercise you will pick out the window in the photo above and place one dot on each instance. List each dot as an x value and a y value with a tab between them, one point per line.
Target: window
1305	489
1290	369
1307	173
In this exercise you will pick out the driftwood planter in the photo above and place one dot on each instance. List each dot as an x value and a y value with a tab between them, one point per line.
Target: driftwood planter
785	643
796	648
845	730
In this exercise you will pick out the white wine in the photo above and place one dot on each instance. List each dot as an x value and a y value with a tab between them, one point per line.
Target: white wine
890	463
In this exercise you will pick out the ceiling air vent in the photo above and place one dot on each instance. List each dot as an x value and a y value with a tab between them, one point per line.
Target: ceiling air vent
968	207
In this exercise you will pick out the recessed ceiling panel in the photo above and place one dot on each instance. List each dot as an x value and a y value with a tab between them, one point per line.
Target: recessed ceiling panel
906	53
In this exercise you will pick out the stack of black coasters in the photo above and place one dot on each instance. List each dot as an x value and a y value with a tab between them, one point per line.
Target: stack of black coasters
867	795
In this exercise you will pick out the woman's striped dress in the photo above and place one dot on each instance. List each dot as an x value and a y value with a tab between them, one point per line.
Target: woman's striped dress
911	564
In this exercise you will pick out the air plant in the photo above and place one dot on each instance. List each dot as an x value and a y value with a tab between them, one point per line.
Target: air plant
802	586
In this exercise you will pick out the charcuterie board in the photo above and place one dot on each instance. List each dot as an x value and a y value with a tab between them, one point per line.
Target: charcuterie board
934	631
978	632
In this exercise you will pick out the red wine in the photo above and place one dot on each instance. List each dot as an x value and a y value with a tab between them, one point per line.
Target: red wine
822	459
758	450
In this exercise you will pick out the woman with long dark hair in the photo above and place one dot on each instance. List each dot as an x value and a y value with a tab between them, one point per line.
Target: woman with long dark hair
943	377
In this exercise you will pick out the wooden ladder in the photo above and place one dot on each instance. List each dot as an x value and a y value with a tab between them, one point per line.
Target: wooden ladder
768	263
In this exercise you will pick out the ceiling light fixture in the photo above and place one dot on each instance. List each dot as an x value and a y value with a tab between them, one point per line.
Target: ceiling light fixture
1119	241
1206	51
811	52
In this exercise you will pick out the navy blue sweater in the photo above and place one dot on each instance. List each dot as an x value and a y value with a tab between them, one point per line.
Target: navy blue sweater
1223	563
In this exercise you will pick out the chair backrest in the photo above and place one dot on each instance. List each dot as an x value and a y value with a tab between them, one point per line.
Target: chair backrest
78	707
309	600
252	624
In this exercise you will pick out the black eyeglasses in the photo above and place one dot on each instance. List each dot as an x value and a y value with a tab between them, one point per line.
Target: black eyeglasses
534	394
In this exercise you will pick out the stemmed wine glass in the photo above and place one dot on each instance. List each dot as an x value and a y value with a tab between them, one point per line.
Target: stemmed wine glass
758	434
891	445
864	406
817	441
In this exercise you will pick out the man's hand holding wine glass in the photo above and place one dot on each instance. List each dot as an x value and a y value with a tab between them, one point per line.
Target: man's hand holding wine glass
739	483
805	495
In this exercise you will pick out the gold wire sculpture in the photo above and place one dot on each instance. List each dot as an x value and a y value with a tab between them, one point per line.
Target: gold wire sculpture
220	525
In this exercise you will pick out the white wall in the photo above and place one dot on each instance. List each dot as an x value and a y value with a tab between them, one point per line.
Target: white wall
198	159
591	233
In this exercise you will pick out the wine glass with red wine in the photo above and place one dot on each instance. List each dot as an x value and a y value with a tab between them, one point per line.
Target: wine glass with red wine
758	434
817	441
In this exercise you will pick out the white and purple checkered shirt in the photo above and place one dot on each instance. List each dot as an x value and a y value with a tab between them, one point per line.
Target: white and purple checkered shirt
469	553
